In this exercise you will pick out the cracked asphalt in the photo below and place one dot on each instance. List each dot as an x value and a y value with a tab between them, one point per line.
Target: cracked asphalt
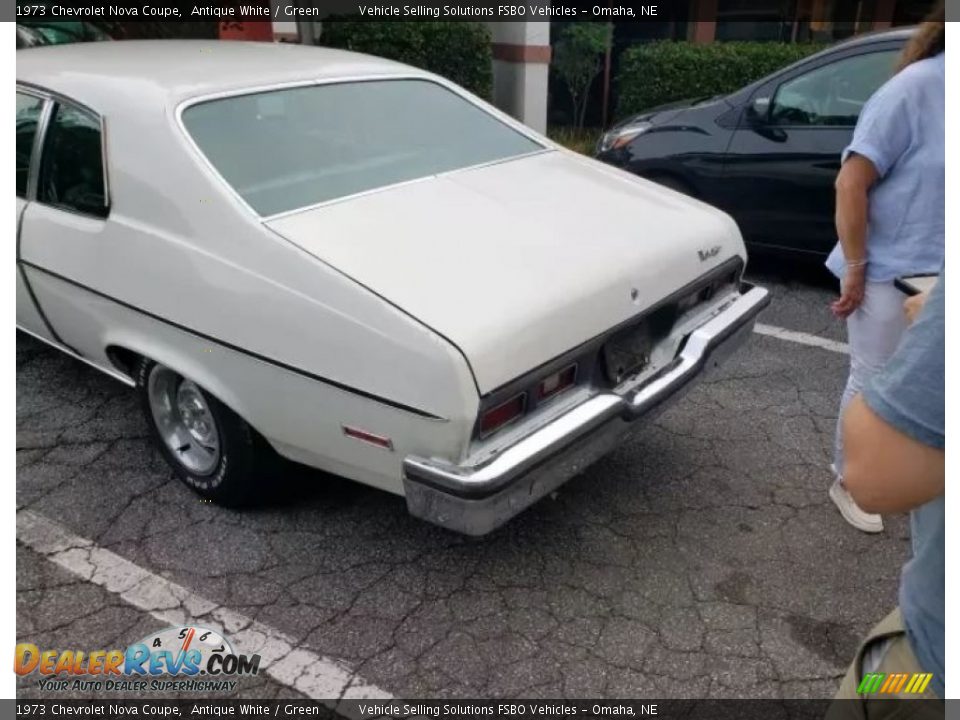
703	558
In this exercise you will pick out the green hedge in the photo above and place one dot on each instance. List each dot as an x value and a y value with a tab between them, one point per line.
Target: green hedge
660	72
460	51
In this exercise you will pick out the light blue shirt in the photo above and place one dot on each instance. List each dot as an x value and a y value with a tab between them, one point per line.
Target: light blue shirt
908	393
901	131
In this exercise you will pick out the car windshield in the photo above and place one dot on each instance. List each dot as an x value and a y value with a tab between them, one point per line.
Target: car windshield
293	148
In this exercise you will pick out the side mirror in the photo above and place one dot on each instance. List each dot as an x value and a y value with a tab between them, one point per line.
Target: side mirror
760	109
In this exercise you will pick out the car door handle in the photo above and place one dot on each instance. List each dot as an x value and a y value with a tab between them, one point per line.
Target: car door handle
775	134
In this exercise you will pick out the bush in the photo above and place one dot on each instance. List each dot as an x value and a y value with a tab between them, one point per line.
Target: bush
576	60
459	51
580	140
660	72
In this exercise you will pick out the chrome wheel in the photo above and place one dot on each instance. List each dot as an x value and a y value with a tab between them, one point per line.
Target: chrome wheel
184	420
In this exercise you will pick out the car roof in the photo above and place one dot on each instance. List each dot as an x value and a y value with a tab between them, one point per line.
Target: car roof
878	36
111	76
896	34
899	33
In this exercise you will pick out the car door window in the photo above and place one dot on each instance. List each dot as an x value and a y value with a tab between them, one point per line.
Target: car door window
833	94
71	170
29	109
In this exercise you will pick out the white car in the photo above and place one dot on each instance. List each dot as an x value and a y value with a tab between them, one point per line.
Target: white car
356	265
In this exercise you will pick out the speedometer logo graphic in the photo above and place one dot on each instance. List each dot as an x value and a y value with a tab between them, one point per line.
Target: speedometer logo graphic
186	646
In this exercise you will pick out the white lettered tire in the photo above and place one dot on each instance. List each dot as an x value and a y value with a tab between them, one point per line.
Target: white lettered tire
211	448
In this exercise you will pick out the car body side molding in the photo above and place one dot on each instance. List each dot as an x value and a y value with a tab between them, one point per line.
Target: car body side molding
223	343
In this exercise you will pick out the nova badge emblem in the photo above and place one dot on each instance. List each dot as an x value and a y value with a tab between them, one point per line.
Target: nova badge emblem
708	253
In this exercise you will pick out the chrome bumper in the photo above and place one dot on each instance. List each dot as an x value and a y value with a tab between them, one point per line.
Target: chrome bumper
476	499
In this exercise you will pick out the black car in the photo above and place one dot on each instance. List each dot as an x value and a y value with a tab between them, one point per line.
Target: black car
766	154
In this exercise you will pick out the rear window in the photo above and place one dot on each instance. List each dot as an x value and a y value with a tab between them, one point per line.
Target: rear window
287	149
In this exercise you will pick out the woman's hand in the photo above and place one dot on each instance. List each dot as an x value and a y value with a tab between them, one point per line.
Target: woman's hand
852	289
857	175
914	304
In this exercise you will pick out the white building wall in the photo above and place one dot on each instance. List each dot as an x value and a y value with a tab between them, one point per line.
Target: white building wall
520	70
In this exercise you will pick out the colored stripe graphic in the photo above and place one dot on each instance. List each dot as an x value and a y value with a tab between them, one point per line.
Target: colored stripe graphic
870	683
894	683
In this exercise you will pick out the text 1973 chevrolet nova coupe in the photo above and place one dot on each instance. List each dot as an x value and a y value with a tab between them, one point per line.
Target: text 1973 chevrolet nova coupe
357	265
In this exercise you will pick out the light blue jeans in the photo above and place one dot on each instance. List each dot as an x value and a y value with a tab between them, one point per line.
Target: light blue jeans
873	332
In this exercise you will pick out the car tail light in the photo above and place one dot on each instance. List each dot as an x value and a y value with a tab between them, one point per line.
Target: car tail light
557	383
505	412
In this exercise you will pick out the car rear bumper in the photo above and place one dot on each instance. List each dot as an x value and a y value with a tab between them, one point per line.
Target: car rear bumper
476	499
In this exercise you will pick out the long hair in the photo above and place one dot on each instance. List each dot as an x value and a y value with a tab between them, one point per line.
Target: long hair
927	41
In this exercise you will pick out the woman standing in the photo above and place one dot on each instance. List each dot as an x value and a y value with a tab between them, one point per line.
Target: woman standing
889	217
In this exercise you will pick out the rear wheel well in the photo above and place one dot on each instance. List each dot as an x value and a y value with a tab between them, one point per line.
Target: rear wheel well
128	361
123	359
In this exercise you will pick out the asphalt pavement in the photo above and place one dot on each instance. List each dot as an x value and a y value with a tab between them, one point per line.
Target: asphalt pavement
701	558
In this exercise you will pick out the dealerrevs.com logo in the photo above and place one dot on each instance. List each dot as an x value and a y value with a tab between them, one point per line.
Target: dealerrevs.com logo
177	659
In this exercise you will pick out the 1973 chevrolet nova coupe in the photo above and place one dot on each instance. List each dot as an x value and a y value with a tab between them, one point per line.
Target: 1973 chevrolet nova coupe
357	265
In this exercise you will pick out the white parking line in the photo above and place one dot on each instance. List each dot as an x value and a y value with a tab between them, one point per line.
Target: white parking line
802	338
317	677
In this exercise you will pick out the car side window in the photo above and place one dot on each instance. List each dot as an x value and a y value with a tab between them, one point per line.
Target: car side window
832	94
71	169
29	109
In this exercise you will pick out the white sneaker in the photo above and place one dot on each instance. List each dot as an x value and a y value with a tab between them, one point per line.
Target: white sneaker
867	522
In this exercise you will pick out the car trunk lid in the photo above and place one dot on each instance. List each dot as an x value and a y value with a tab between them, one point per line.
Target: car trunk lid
519	261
